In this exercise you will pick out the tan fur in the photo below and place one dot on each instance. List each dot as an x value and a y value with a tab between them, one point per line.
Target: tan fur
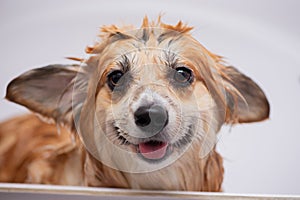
43	154
33	151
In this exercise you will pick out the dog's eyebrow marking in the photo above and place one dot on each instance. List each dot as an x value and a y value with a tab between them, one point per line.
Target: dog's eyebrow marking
171	60
125	63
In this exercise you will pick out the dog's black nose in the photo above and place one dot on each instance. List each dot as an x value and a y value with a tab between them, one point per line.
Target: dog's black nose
151	119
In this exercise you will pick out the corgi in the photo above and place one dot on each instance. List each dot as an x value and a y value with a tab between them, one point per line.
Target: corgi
142	111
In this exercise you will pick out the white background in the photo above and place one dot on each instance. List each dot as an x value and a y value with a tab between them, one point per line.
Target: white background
259	37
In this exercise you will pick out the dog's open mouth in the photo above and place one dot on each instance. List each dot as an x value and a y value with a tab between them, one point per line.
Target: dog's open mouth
153	150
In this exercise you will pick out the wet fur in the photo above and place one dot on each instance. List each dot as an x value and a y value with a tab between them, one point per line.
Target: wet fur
42	155
34	151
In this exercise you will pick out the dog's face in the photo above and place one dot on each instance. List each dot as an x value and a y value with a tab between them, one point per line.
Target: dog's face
153	99
144	98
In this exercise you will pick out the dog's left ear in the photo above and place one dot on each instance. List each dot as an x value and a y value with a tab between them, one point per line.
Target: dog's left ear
246	102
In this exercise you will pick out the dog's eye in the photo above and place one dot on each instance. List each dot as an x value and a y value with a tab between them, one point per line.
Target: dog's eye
183	75
113	79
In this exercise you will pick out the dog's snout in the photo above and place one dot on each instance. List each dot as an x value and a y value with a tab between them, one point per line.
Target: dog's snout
151	119
142	117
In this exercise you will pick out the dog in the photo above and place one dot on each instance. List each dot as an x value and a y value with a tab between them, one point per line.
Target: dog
142	111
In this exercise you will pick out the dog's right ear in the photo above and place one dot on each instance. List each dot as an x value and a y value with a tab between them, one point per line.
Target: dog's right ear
47	91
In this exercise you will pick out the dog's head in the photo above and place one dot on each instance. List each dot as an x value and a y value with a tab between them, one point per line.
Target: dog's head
143	97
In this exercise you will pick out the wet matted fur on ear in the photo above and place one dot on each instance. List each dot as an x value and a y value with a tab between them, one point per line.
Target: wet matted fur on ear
246	102
49	91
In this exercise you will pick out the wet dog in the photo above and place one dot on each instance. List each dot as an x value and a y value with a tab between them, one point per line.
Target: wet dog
142	111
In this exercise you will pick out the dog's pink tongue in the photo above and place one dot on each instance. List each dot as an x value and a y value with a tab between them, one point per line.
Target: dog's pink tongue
153	151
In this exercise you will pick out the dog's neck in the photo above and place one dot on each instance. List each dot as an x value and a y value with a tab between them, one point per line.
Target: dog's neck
189	172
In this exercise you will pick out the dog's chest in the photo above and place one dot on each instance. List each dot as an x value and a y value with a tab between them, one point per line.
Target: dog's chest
177	176
189	173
